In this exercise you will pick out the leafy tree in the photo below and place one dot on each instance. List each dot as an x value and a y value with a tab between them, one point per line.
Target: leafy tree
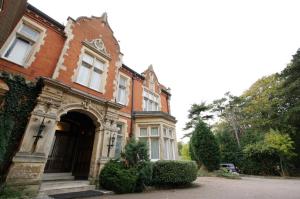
185	152
229	149
291	102
179	147
262	104
229	111
275	146
197	112
204	147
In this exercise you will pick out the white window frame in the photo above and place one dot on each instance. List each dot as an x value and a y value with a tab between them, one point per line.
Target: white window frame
84	51
30	57
126	87
170	140
122	134
147	95
149	137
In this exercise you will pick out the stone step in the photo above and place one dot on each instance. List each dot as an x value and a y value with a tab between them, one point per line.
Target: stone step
57	176
57	187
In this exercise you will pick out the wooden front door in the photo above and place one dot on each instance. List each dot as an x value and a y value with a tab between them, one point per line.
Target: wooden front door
61	155
72	147
83	154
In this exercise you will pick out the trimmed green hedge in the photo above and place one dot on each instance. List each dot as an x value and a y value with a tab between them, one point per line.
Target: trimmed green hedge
114	176
174	173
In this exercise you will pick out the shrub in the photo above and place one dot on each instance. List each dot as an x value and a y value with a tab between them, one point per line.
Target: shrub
7	192
132	174
116	177
144	175
173	173
225	173
135	152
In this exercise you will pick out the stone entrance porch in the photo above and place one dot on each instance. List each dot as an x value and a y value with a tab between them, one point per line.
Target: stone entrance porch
55	101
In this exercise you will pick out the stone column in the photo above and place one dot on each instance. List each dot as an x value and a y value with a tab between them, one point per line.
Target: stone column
29	162
109	130
94	168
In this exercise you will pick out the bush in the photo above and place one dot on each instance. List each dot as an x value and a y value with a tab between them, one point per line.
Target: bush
225	173
7	192
173	173
144	175
116	177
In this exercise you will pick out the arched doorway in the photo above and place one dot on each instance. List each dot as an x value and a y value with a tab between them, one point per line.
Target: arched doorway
72	146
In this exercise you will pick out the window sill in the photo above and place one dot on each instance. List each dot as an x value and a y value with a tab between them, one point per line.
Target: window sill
88	87
13	62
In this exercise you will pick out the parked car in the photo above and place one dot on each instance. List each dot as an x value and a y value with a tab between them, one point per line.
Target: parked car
230	167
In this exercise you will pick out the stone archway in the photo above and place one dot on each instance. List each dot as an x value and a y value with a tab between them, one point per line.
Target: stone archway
72	146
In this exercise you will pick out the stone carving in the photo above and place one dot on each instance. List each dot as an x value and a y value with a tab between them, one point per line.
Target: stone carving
98	45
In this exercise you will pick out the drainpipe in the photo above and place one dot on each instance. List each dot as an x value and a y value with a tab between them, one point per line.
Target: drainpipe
132	106
168	109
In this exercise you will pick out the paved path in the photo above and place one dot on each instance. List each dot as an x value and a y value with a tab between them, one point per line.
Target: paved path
219	188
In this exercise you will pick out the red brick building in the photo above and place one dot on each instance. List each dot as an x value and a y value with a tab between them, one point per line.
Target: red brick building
90	102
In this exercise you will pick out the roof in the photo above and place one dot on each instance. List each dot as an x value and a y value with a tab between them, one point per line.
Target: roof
133	72
47	17
147	114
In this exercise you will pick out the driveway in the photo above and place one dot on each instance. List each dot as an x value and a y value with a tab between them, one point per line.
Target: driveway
219	188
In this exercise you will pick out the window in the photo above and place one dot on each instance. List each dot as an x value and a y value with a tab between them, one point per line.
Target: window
122	90
168	144
90	72
154	131
21	45
150	101
154	149
143	132
152	139
119	140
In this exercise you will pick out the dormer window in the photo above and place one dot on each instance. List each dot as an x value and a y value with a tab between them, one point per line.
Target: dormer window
90	72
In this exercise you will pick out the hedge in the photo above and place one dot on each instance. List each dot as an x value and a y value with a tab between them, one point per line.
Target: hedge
173	173
114	176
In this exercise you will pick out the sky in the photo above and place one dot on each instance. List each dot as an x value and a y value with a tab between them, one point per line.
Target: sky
199	48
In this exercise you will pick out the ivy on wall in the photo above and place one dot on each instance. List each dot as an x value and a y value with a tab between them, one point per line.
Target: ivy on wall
15	110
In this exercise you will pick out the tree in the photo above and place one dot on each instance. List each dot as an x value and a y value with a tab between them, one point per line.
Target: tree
185	152
204	148
196	113
229	149
275	146
179	147
291	102
262	104
229	110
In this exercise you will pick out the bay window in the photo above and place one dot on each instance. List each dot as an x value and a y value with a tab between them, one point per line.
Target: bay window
168	144
150	135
